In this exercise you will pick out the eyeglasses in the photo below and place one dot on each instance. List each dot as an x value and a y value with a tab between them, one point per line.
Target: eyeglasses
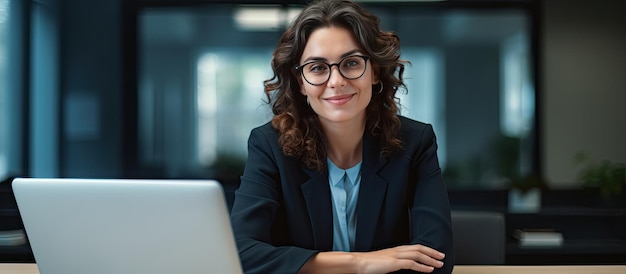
318	72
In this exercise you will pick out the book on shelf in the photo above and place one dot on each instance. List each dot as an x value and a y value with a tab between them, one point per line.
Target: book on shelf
538	238
12	237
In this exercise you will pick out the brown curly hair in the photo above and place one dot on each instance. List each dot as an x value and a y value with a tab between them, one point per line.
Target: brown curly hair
300	130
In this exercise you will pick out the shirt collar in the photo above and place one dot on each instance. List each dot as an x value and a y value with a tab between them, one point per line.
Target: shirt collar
335	173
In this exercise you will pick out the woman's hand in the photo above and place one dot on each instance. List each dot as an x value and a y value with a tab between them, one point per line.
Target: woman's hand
414	257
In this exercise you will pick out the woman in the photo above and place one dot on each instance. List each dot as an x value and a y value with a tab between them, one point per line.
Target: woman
338	182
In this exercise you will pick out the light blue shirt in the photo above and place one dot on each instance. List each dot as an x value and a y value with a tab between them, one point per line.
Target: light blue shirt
344	188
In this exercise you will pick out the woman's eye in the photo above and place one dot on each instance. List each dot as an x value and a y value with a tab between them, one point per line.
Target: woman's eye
317	68
351	62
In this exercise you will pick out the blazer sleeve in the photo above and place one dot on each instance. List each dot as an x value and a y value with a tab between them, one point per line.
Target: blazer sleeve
430	209
256	204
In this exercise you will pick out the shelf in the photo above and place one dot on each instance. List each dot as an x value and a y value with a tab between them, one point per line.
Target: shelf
16	254
572	247
576	211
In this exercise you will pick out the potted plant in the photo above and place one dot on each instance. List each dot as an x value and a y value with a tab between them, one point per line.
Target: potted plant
525	194
606	176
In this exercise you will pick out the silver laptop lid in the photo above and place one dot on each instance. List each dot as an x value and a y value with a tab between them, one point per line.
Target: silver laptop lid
127	226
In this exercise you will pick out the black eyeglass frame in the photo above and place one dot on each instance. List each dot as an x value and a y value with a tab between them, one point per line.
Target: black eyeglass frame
330	67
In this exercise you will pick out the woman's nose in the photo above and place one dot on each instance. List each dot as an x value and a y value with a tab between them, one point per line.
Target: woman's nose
335	79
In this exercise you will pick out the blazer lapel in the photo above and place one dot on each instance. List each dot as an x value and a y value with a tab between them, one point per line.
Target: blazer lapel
317	196
371	194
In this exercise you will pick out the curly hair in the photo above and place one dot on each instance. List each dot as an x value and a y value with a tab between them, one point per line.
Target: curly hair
299	126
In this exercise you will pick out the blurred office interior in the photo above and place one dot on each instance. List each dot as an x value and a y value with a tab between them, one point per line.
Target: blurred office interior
518	91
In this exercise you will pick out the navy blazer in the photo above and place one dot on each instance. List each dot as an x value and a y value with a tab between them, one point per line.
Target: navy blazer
282	212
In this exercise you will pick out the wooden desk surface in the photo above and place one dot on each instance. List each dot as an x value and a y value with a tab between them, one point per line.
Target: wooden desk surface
564	269
8	268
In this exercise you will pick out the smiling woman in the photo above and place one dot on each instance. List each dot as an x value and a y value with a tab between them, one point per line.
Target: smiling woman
338	181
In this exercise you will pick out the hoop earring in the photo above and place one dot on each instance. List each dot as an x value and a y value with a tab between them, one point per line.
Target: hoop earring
381	88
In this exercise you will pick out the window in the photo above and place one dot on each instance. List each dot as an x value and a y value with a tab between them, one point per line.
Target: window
4	18
228	102
8	83
425	96
200	95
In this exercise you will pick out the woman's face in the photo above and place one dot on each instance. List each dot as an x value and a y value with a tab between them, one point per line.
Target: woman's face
339	100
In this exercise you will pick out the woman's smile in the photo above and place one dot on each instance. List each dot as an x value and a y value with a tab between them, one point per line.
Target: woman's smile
340	99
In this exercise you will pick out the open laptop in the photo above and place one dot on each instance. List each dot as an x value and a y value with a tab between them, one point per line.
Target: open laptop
117	226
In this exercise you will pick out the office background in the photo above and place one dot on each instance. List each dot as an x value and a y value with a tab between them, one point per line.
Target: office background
84	91
67	77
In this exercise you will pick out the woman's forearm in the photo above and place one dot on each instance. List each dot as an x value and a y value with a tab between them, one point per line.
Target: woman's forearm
414	257
331	262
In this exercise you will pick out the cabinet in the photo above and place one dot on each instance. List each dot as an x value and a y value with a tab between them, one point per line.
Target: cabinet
593	228
10	222
590	236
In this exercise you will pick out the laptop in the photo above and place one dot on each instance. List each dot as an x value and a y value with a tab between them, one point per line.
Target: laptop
127	226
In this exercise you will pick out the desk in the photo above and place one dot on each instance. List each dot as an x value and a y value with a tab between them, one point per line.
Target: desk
530	269
8	268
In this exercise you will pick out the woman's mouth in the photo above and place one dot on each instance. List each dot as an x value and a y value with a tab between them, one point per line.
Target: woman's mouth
339	99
